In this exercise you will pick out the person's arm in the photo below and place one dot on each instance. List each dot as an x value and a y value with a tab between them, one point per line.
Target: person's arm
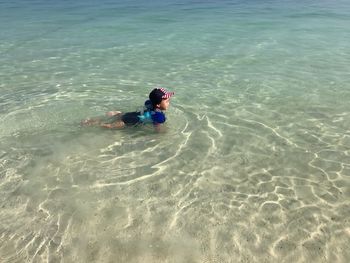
158	121
161	128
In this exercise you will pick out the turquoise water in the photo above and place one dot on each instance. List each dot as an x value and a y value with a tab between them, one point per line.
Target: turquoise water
254	165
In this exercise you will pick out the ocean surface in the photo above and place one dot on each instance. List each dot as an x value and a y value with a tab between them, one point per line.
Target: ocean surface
254	165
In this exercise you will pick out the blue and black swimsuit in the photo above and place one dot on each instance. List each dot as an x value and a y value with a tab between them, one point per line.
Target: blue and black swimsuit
147	115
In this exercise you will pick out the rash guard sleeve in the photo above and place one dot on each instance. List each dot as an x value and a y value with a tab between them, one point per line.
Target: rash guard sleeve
158	117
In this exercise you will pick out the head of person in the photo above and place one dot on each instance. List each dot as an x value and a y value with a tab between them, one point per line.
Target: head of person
160	98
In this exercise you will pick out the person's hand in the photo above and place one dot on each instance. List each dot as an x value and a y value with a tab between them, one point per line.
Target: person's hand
160	128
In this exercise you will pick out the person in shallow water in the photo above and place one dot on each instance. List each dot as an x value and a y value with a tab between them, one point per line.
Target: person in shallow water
153	112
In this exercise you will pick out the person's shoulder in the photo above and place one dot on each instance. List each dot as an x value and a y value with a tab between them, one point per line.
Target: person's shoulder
158	117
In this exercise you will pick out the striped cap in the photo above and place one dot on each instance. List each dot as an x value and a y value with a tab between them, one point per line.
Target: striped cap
158	94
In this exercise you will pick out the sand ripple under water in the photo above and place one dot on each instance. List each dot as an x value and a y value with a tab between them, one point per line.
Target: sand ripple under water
255	163
212	189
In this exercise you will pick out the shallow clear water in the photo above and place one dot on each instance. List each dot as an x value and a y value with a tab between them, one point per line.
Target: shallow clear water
255	163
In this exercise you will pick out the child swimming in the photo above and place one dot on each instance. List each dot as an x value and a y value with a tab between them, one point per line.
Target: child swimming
159	101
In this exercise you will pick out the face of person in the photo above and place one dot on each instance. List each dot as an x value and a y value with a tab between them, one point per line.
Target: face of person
164	104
